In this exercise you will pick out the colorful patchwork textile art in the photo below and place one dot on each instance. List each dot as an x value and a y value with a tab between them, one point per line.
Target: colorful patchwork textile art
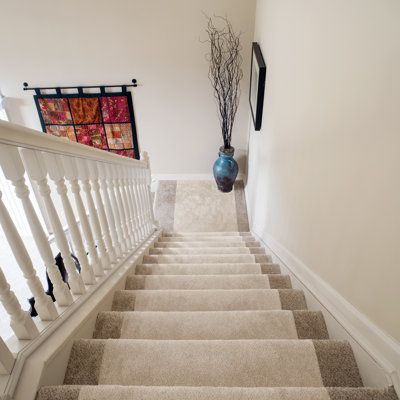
102	120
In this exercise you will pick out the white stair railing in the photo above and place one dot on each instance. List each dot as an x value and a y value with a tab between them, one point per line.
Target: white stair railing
14	171
109	211
115	218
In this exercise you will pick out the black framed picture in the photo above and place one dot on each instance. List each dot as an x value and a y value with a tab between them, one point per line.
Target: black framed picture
257	85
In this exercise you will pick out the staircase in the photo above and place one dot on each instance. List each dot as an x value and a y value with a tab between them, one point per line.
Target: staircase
209	316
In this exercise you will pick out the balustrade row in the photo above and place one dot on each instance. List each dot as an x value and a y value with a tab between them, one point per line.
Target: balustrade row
108	210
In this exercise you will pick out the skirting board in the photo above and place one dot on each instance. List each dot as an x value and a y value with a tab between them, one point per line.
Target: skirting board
377	354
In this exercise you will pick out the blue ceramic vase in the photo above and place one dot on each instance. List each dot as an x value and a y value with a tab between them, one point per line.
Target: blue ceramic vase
225	169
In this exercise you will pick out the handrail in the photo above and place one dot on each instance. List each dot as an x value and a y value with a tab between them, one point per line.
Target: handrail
110	216
21	136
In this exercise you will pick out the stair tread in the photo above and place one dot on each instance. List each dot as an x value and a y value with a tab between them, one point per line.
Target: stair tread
206	244
195	282
114	392
180	234
267	363
207	258
215	325
206	250
209	300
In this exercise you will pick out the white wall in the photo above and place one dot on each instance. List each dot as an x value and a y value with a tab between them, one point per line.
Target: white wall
324	171
67	42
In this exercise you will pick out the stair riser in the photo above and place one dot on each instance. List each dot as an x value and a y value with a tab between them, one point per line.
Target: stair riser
234	239
207	258
207	250
230	325
200	282
206	269
246	363
179	245
205	234
208	300
210	393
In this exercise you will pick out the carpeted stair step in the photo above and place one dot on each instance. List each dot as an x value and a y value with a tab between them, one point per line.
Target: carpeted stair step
179	245
111	392
206	250
194	238
197	282
211	325
209	300
206	269
246	363
206	258
205	234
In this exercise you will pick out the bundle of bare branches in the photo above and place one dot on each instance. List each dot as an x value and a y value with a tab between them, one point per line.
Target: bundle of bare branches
225	72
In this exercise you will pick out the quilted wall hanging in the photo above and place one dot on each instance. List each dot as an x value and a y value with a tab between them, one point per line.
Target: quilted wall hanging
104	120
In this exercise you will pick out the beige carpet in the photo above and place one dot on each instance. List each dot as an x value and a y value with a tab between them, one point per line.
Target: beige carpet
195	206
209	316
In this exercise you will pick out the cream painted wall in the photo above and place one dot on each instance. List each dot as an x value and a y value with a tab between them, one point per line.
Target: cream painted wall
64	42
324	171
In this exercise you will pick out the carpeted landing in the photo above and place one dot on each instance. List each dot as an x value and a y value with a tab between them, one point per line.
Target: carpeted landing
209	316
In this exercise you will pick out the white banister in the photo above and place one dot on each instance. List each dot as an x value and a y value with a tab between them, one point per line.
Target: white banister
105	229
6	359
139	204
108	210
147	173
132	202
125	205
43	303
56	173
83	176
14	170
146	218
71	174
34	165
116	190
21	322
118	219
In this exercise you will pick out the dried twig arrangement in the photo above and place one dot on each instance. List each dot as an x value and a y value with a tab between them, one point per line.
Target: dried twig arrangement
225	72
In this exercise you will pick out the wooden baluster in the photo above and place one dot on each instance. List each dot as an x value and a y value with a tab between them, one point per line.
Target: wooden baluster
115	207
149	197
71	174
34	165
135	186
108	210
147	200
56	173
43	303
132	200
14	170
119	173
117	192
20	321
6	359
83	176
105	229
144	202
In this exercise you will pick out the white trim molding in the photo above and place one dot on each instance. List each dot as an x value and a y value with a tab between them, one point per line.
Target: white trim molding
377	353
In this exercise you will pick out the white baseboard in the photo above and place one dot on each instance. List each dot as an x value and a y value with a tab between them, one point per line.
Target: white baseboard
377	354
187	177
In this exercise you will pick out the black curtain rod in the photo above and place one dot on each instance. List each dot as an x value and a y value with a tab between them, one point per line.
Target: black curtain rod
79	88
